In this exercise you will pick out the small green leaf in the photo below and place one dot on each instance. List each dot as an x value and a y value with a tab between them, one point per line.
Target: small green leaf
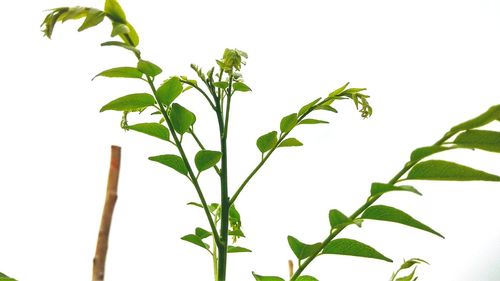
236	249
338	91
492	114
94	17
312	121
307	278
148	68
195	204
327	108
182	119
448	171
152	129
290	142
267	141
338	219
266	278
191	238
241	87
391	214
302	250
132	102
308	106
206	159
123	45
173	161
202	233
422	152
74	13
221	84
408	277
113	9
119	28
121	72
352	91
480	139
237	233
288	122
378	188
350	247
169	90
411	262
131	37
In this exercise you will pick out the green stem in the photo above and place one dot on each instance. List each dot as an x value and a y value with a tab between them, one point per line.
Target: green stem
214	259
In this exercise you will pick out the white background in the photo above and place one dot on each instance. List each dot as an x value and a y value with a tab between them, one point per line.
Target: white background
428	65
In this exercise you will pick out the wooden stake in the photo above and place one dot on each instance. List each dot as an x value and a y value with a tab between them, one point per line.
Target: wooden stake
107	215
290	268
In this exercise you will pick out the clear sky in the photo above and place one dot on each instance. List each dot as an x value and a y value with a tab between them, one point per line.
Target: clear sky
428	65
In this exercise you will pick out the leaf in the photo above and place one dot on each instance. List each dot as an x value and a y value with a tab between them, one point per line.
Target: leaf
288	122
338	219
202	233
290	142
113	9
267	141
492	114
411	262
94	17
312	121
169	90
408	277
206	159
152	129
266	278
307	278
121	72
448	171
132	102
74	13
378	188
391	214
191	238
182	119
237	233
308	106
119	28
236	249
338	91
173	161
480	139
241	87
302	250
123	45
327	108
350	247
422	152
352	91
195	204
132	37
148	68
221	84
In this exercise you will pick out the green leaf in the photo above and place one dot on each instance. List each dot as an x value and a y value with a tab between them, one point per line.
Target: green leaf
480	139
312	121
338	219
352	91
152	129
148	68
131	36
408	277
195	204
74	13
288	122
411	262
422	152
169	90
308	106
266	278
114	11
267	141
290	142
119	28
338	91
221	84
391	214
302	250
350	247
206	159
202	233
327	108
448	171
236	249
378	188
94	17
173	161
123	45
182	119
237	233
241	87
492	114
121	72
132	102
307	278
191	238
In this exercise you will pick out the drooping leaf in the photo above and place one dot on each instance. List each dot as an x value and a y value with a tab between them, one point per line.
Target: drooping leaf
202	233
173	161
206	159
114	11
241	87
191	238
327	108
182	119
448	171
237	233
132	102
221	84
169	90
480	139
123	45
338	91
288	122
266	278
302	250
408	277
352	91
338	219
131	37
148	68
267	141
290	142
378	188
94	17
312	122
492	114
152	129
121	72
391	214
119	29
307	278
422	152
350	247
411	262
308	106
237	249
74	13
195	204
